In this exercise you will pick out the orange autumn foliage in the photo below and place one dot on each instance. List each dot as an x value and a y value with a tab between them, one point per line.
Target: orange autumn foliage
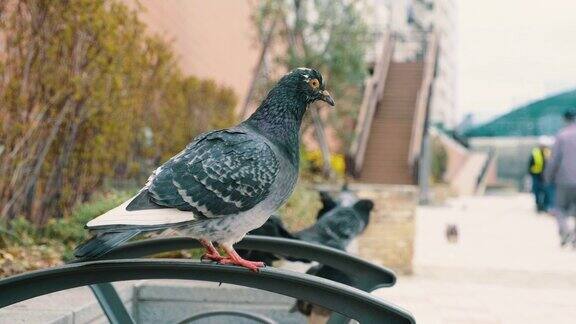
87	95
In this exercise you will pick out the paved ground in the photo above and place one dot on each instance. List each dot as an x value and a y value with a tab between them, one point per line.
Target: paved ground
507	266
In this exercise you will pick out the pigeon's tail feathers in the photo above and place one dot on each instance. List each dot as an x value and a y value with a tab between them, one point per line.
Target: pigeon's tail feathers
102	243
171	232
136	215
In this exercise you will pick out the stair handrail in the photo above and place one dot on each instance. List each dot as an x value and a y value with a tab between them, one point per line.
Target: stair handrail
483	176
422	99
373	93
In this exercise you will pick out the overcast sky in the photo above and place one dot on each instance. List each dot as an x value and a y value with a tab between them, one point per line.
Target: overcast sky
513	51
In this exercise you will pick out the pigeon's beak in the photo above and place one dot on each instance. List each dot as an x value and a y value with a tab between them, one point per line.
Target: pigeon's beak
325	96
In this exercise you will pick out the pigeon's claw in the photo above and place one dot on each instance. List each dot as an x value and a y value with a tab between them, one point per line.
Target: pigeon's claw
235	259
211	252
212	257
252	265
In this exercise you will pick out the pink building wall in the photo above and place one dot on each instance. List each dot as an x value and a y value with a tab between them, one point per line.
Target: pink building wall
212	39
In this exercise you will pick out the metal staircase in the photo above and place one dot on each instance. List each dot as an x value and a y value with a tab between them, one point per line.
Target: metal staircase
392	119
386	157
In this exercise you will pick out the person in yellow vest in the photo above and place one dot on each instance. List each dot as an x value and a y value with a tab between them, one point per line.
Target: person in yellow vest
538	157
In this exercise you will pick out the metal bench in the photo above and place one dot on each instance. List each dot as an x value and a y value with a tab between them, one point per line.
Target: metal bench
353	302
367	276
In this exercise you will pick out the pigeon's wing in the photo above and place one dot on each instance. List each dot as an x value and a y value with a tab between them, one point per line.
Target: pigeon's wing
221	173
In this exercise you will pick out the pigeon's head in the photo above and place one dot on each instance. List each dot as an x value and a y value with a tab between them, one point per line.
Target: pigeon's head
309	85
363	207
280	114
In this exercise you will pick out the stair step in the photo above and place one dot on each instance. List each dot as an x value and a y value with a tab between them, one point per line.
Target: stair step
386	157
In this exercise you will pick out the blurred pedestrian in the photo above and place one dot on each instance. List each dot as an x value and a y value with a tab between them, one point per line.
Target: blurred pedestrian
561	171
538	158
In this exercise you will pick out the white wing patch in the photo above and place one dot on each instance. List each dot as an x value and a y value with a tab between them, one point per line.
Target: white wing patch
147	217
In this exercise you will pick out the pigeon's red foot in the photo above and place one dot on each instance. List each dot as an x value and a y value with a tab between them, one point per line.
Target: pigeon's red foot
235	259
211	252
252	265
212	257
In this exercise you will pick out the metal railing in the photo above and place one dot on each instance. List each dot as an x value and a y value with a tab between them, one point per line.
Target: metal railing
422	100
484	173
373	93
366	276
346	300
251	316
98	274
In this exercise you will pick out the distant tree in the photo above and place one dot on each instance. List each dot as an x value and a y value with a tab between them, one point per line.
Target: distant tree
330	36
439	161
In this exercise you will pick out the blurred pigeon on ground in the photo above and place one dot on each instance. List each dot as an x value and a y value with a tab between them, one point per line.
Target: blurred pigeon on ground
335	228
339	226
451	233
274	227
225	183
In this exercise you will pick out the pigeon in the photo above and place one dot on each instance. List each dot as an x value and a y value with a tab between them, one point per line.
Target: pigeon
337	227
225	183
451	233
340	219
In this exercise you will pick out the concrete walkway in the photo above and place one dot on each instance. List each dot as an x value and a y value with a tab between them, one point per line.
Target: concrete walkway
507	266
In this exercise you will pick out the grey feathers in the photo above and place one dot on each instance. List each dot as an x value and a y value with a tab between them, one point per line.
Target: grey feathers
337	227
142	201
102	243
222	173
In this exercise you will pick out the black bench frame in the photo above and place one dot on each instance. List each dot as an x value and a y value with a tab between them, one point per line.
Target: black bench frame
353	302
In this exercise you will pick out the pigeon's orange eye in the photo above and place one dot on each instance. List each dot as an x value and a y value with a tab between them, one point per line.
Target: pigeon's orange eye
314	83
